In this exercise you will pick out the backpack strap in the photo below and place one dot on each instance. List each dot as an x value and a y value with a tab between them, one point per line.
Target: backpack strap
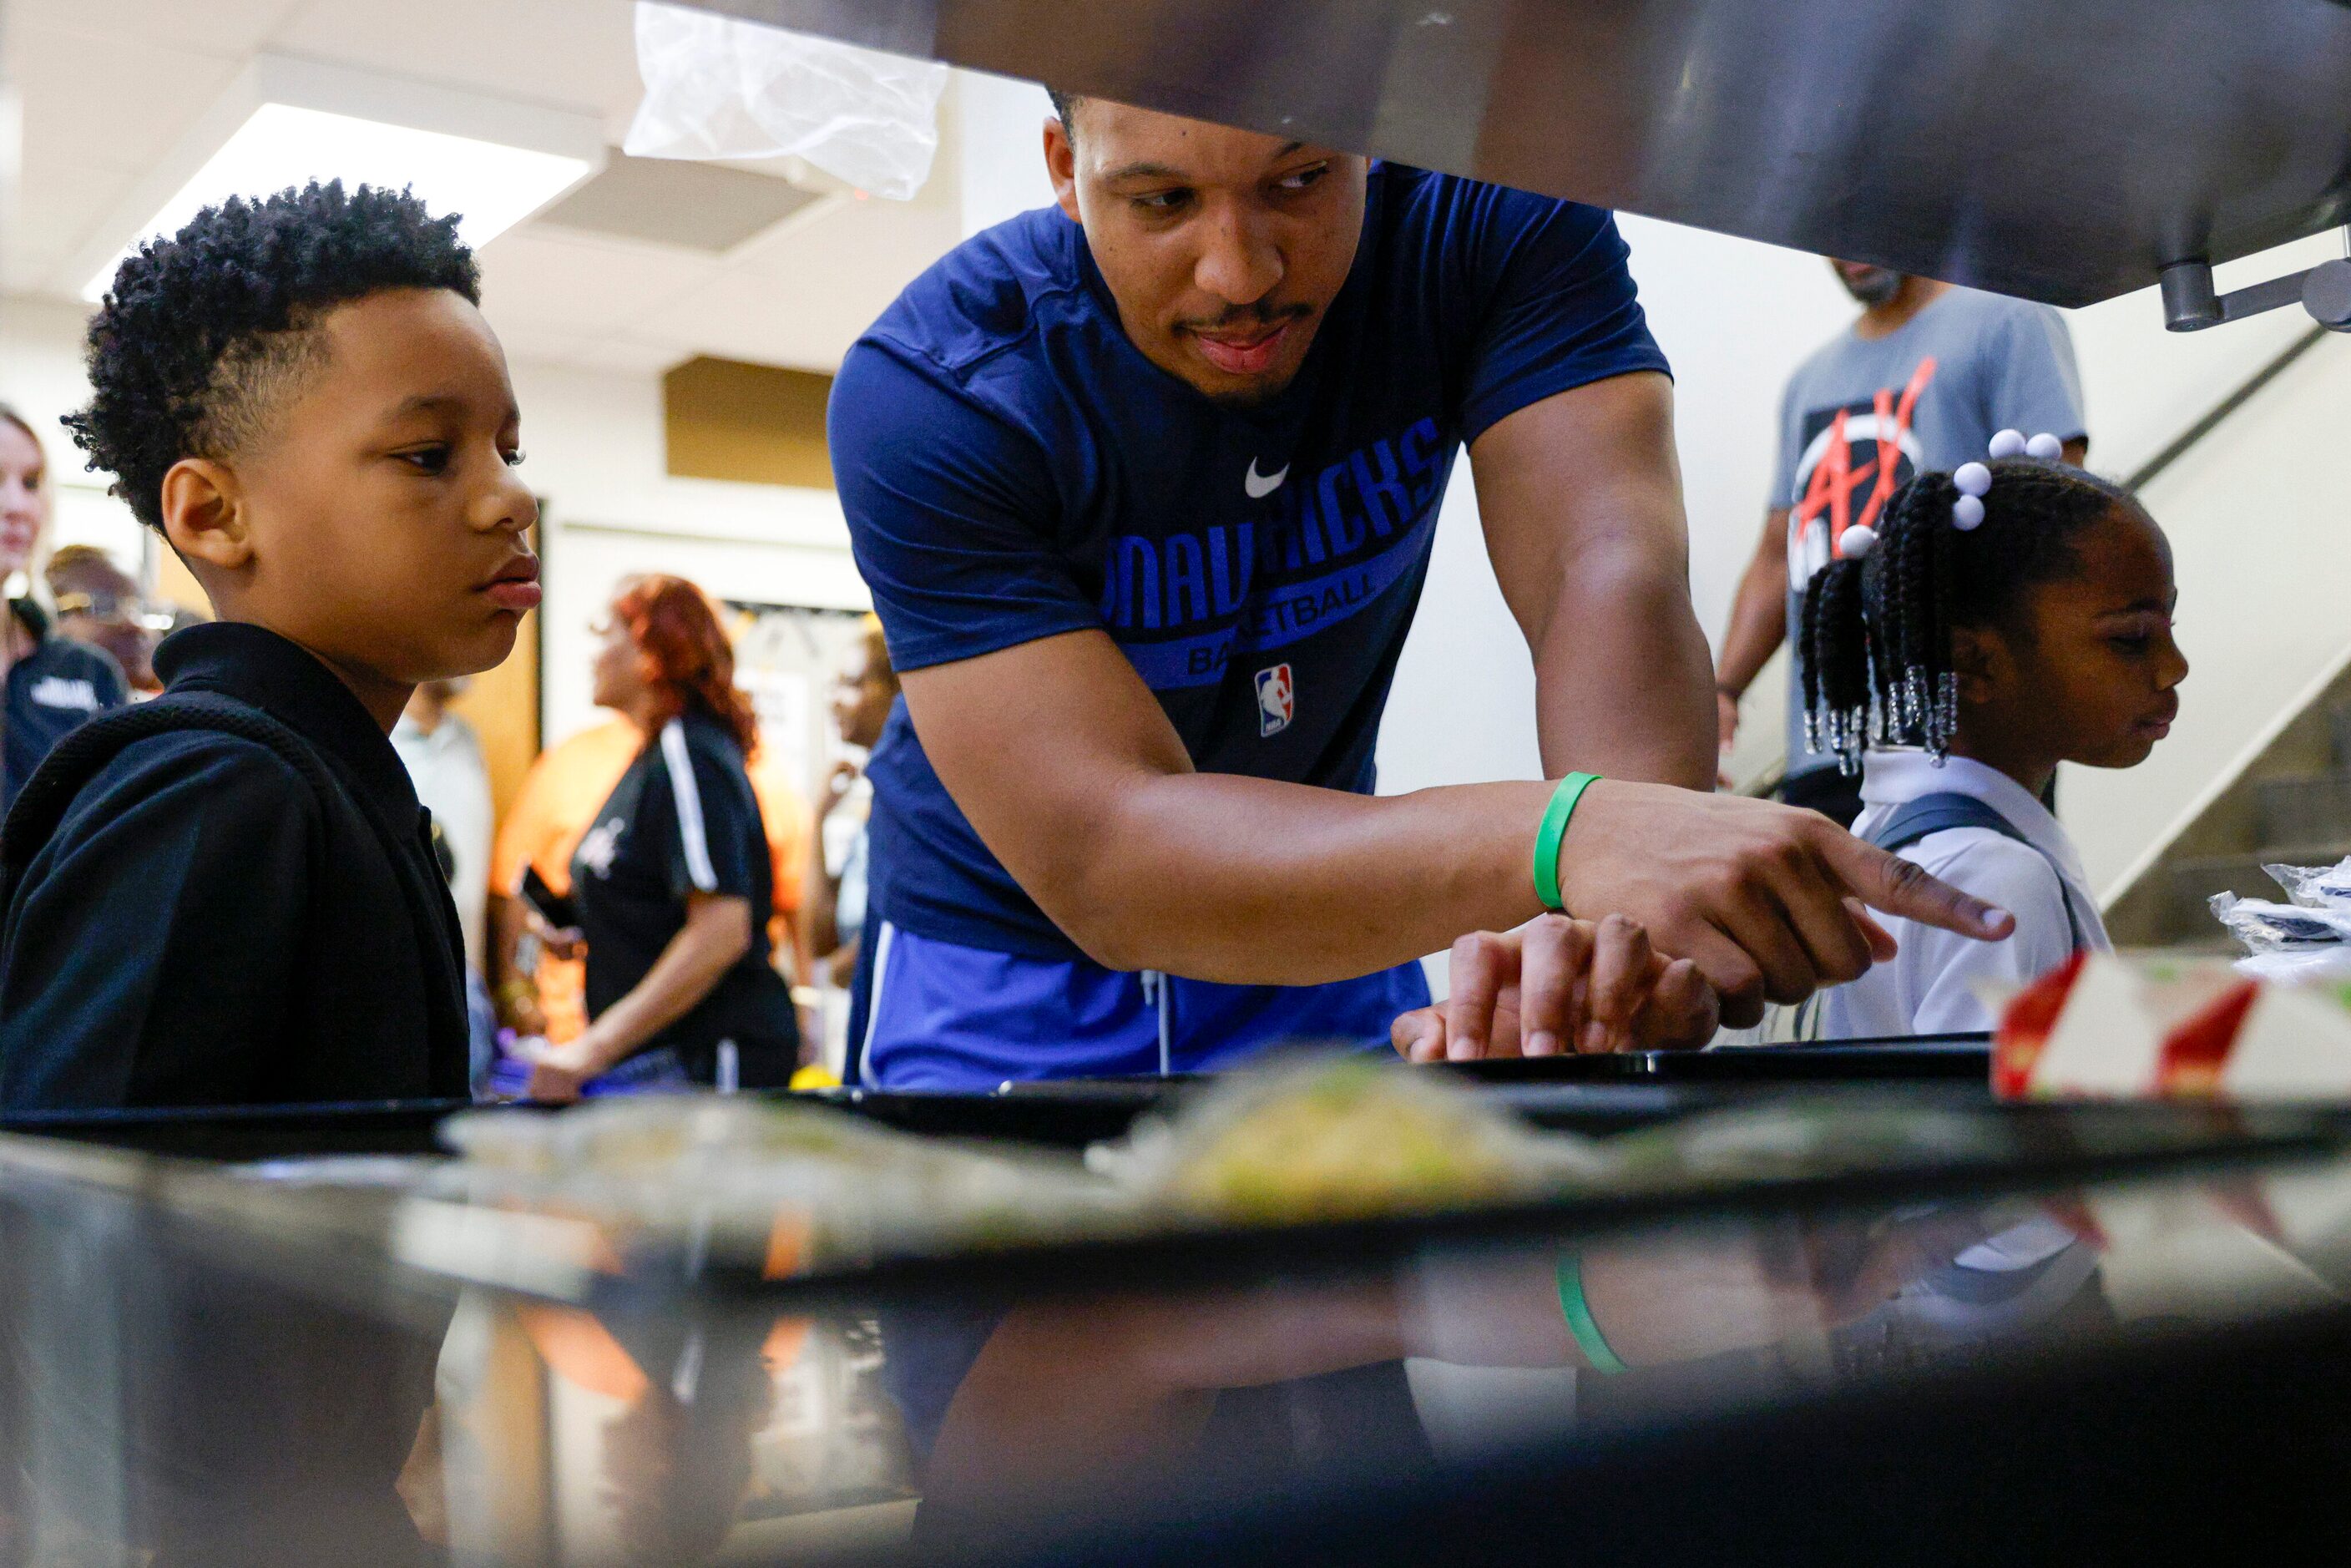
85	753
1915	820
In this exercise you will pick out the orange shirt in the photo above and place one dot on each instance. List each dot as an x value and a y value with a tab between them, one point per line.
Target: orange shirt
791	826
551	813
558	804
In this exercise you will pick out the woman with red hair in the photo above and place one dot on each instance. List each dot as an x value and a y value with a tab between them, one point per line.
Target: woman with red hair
674	882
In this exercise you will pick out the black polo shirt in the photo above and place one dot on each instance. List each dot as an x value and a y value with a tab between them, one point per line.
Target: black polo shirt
682	819
206	926
57	686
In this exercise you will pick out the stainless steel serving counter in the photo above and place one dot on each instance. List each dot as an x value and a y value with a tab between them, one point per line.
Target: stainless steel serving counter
1976	1328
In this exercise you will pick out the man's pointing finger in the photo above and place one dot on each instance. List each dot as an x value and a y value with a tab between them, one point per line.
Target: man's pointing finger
1895	887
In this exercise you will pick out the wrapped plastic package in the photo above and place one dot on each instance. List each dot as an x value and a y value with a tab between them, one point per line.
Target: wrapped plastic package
719	87
2266	927
2105	1027
2307	942
2328	964
2316	887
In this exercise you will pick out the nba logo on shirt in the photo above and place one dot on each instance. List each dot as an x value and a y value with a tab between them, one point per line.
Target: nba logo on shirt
1276	701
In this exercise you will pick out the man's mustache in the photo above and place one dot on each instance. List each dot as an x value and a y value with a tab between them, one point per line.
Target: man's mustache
1256	315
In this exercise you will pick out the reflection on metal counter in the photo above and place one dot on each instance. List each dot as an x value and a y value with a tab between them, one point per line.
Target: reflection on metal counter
395	1358
559	1434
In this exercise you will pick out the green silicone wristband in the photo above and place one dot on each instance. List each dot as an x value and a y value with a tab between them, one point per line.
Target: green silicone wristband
1554	828
1588	1338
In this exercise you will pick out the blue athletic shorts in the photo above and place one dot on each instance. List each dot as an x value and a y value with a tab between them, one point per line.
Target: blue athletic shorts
946	1016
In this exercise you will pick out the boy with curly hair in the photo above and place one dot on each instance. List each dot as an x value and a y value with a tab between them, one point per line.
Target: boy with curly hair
229	895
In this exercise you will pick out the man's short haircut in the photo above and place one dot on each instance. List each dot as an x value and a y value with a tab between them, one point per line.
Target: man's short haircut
1065	105
204	332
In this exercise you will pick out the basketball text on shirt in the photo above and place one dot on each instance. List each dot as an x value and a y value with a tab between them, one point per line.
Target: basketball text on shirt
1313	558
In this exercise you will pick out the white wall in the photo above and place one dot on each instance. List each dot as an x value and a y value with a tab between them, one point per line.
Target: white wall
997	124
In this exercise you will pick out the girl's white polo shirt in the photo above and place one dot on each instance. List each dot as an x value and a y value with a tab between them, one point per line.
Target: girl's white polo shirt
1929	987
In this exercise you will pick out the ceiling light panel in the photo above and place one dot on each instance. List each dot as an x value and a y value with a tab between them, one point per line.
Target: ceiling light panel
287	122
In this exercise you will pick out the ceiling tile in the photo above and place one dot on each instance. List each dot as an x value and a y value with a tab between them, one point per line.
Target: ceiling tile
802	299
109	86
578	286
225	29
740	317
117	102
577	53
894	240
678	202
58	199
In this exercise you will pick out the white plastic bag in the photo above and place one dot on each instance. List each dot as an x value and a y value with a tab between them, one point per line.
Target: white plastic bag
2325	966
2266	927
719	87
2315	886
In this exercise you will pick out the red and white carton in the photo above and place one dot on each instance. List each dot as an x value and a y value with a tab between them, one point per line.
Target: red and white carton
2109	1027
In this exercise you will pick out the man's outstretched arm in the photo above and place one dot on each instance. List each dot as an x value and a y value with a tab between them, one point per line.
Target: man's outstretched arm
1065	763
1580	498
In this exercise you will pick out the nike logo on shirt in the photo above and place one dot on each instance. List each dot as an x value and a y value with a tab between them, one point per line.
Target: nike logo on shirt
1260	485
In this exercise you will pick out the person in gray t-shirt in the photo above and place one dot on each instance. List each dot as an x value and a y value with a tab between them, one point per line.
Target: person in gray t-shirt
1922	379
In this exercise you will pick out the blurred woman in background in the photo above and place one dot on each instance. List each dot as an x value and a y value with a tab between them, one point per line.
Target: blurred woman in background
51	683
673	884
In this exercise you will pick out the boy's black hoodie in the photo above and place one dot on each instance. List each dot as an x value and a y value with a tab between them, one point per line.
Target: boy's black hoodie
210	923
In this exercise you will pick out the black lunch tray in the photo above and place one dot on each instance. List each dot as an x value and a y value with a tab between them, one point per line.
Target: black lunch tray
1572	1093
1938	1058
1584	1093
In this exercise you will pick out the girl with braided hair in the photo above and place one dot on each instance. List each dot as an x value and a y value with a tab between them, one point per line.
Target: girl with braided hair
2001	619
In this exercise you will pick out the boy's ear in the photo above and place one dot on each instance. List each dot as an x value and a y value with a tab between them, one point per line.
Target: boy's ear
205	514
1980	657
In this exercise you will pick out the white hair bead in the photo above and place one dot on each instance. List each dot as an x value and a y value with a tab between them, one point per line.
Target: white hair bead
1973	479
1967	514
1857	542
2046	447
2008	444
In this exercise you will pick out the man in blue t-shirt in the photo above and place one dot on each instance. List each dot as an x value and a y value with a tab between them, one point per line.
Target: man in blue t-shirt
1143	485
